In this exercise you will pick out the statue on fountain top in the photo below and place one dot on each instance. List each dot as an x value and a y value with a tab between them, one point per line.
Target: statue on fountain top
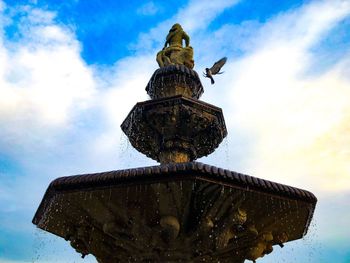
175	53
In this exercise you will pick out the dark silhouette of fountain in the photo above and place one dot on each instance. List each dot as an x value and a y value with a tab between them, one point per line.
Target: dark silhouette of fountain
181	210
175	126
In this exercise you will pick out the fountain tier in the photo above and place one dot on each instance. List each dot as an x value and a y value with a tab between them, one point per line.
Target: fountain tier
175	129
186	212
174	80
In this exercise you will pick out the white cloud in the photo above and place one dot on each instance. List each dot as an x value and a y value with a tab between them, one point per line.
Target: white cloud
42	75
148	9
44	87
125	87
297	122
187	16
303	26
45	84
207	11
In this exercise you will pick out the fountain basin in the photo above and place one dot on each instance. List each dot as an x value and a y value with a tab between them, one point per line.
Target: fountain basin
184	212
175	129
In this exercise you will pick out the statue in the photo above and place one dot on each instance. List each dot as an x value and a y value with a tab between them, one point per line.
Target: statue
175	53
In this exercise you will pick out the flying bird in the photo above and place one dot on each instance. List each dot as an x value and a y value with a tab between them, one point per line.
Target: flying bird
215	69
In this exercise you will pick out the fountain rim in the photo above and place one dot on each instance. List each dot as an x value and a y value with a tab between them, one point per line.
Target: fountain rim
173	172
198	103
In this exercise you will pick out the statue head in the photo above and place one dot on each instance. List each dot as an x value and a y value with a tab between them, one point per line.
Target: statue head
175	27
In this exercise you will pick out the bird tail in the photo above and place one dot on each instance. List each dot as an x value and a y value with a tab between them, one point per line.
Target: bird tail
212	80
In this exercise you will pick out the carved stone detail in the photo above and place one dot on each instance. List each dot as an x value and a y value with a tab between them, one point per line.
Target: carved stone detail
174	80
175	129
173	221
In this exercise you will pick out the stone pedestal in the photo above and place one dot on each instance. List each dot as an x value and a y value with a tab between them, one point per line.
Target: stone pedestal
174	80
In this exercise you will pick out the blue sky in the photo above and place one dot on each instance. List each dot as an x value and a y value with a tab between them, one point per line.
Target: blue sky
70	71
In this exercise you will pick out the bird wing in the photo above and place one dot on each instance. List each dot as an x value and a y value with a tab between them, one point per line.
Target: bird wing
218	65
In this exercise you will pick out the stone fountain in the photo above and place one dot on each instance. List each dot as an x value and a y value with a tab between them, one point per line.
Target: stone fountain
180	210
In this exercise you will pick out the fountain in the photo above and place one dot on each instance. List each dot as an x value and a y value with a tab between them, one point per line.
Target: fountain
180	210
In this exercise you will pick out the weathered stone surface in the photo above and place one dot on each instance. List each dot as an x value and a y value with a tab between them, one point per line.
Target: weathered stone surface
173	51
174	80
186	212
175	129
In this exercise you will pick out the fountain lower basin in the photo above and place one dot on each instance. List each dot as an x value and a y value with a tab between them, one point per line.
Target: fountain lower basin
184	212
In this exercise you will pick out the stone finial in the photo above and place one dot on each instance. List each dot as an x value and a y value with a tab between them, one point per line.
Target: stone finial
173	51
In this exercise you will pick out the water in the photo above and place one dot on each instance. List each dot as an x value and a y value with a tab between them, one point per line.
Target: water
48	248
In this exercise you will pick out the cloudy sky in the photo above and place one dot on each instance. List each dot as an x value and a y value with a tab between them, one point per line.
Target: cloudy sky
70	71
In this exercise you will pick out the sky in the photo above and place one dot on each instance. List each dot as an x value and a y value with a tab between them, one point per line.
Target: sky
70	71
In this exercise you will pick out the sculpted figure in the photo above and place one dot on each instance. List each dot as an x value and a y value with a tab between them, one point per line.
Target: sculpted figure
262	246
175	53
175	36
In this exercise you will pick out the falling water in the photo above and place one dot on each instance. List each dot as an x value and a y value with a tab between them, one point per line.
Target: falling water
48	248
125	151
225	143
